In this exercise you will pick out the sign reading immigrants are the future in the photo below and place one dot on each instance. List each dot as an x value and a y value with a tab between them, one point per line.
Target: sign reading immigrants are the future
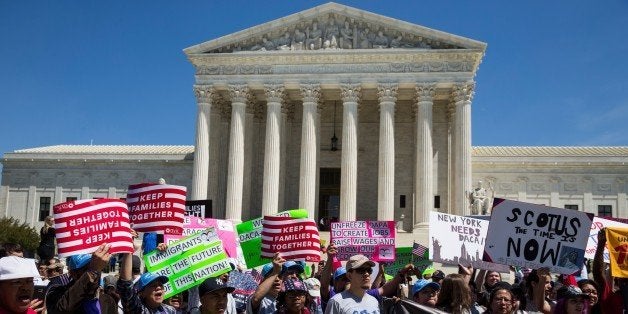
189	261
534	236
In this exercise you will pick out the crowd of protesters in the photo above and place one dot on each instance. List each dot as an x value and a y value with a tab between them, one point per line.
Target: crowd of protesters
89	283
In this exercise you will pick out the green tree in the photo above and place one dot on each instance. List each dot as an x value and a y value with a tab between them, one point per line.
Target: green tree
14	231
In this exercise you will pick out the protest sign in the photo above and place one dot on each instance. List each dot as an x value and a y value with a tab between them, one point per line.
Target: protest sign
199	208
156	208
245	285
617	244
596	226
224	228
189	261
374	239
404	256
534	236
81	226
295	238
250	236
459	240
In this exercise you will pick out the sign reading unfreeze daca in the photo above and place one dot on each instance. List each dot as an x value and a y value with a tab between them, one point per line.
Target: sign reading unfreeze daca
534	236
189	261
81	226
156	207
374	239
295	239
250	235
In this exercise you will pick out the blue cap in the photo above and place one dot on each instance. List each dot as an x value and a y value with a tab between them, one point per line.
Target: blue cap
267	269
292	265
340	271
148	277
79	261
420	284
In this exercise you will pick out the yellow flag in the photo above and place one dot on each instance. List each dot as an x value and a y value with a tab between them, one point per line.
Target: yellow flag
617	244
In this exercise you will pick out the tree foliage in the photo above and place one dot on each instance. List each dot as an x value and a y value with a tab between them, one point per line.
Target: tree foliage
14	231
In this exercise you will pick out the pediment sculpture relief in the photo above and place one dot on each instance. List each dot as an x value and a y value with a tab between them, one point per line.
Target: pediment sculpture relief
334	32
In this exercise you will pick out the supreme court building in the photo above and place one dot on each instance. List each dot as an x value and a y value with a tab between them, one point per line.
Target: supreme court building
346	113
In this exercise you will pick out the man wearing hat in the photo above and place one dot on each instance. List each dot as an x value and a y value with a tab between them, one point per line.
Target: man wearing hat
148	296
214	294
79	291
355	299
264	298
425	292
16	284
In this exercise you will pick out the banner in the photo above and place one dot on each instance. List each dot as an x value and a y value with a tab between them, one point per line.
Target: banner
82	226
189	261
459	240
617	245
156	207
224	228
534	236
596	226
250	236
296	239
374	239
199	208
404	256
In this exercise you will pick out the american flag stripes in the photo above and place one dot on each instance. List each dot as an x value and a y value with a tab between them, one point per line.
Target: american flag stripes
295	239
156	207
81	226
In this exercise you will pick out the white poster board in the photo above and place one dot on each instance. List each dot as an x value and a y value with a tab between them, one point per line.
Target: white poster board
534	236
598	224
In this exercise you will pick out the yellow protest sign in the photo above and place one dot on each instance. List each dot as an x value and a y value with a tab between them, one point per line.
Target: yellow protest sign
617	244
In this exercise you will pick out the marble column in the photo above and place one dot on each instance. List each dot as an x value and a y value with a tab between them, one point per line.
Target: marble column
451	160
424	190
350	94
270	197
235	172
309	149
463	94
200	173
387	94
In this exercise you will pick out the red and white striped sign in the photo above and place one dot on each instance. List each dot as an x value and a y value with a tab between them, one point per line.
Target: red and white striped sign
156	207
81	226
295	239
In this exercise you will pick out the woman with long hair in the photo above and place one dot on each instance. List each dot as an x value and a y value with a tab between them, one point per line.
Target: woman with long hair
571	300
591	288
46	249
455	296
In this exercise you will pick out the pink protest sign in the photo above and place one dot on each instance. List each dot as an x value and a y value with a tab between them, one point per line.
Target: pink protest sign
224	228
375	239
156	207
294	238
81	226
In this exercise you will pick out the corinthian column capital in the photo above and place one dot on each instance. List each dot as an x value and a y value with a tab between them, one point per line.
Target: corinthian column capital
275	93
387	92
350	92
239	93
204	94
464	91
311	93
425	92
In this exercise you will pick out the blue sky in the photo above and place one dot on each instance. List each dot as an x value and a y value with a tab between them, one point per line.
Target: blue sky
555	72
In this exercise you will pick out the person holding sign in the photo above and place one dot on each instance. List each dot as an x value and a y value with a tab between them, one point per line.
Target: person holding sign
264	298
149	296
538	285
610	300
355	299
81	294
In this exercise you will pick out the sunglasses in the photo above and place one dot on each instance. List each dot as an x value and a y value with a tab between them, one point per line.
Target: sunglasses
363	271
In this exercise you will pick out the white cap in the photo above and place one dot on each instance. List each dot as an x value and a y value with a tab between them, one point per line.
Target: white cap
13	267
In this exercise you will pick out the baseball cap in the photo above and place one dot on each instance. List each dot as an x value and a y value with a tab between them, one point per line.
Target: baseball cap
13	267
340	271
213	284
267	269
293	285
313	286
438	275
148	277
420	284
292	265
356	261
79	261
570	292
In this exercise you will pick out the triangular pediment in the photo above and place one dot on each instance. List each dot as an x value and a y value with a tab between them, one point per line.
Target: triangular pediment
334	26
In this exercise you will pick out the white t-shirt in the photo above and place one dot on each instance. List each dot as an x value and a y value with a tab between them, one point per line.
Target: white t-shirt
348	303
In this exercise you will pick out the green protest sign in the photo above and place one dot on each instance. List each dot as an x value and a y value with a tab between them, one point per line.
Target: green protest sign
250	234
189	261
404	257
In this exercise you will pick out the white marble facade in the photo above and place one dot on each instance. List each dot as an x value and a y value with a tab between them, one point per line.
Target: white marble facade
397	97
